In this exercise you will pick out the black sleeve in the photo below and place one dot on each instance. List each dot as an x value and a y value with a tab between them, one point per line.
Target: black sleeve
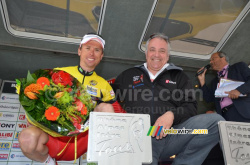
187	105
245	73
208	94
117	87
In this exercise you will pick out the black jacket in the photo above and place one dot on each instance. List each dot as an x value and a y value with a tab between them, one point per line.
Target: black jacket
170	91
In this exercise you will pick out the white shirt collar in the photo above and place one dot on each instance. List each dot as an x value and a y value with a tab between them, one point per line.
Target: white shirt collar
152	77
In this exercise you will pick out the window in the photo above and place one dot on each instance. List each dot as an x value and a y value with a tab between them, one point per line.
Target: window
60	20
196	28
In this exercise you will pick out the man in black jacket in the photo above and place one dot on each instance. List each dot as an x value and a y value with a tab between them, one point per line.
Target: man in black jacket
163	91
233	107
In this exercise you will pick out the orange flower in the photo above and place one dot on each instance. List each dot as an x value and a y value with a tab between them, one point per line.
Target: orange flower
52	113
31	89
58	95
31	95
84	110
43	81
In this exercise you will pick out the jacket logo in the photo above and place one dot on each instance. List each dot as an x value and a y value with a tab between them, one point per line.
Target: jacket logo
138	81
170	82
91	90
93	82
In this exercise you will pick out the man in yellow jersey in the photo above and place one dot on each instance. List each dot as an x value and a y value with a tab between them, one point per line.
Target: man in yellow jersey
38	145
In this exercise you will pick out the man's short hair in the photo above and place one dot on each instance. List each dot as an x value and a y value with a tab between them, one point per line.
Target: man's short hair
222	54
158	35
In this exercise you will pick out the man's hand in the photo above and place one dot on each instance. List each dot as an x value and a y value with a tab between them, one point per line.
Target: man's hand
104	107
201	77
166	120
32	141
233	94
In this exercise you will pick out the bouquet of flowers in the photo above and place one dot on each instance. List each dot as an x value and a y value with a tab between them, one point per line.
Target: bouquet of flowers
55	101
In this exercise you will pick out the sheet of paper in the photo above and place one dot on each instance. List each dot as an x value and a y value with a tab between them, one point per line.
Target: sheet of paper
226	85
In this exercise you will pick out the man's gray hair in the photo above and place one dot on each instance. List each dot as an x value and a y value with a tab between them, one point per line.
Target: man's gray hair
222	54
159	35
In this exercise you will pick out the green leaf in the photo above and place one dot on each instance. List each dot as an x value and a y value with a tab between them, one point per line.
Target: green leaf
18	82
30	79
40	106
38	115
25	101
42	73
23	83
49	97
30	107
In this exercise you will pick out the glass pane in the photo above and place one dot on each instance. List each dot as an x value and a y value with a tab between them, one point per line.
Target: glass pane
64	18
194	26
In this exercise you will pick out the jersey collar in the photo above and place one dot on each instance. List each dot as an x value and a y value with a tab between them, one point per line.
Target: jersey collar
83	72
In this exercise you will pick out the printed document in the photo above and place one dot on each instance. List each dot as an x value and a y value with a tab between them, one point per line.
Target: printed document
226	85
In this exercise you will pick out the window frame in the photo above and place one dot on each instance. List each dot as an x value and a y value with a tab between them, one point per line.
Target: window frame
45	37
220	45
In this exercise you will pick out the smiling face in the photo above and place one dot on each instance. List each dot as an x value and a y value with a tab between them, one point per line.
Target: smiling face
91	54
157	54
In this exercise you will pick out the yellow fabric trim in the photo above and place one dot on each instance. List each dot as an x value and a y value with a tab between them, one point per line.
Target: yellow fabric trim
64	147
75	148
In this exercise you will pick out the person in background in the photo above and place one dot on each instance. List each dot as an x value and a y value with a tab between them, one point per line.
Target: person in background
164	91
233	107
38	145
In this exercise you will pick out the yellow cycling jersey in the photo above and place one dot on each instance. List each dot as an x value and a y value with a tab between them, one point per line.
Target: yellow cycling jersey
96	86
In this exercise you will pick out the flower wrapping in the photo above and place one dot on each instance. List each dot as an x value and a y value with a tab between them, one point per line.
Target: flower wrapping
55	101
